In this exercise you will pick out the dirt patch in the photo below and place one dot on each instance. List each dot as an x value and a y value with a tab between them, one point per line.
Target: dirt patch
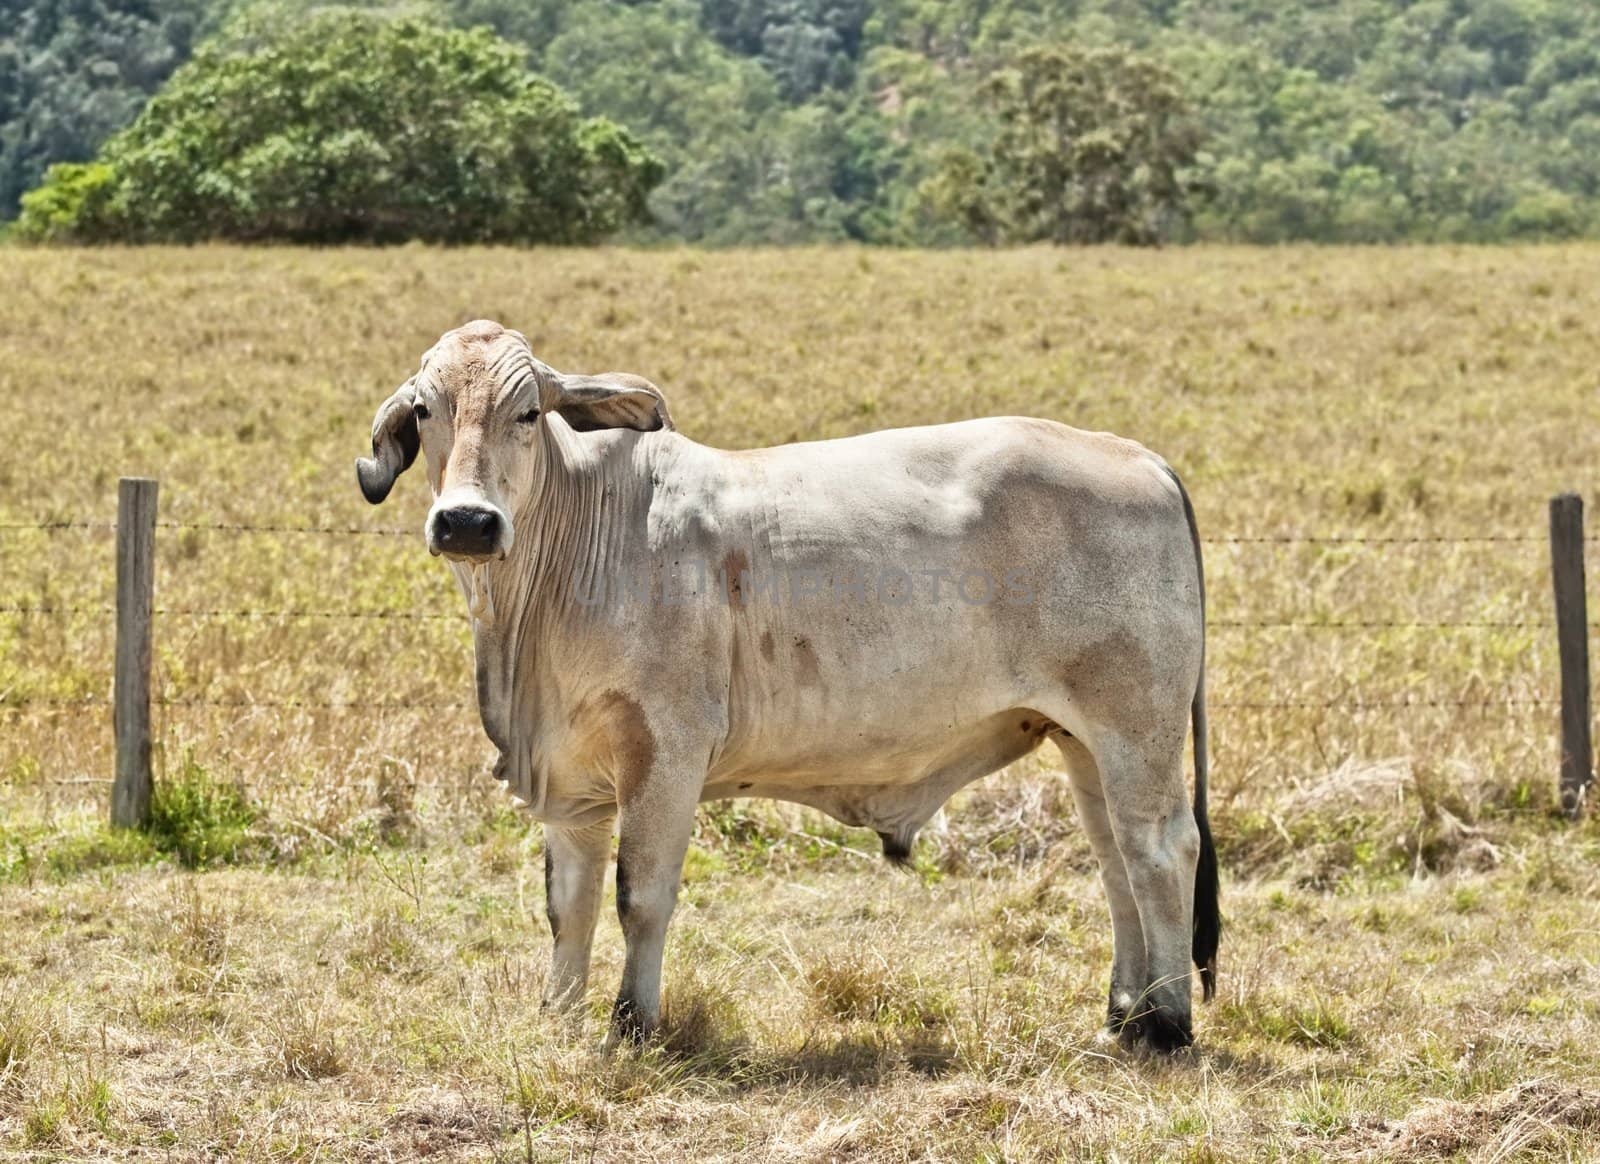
1498	1128
435	1124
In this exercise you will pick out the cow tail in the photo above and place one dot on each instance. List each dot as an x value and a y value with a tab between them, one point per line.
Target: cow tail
1207	908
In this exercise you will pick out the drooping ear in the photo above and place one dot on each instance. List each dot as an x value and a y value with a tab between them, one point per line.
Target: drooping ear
609	400
394	444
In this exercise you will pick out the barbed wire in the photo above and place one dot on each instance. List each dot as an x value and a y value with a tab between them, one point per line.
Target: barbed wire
1214	539
234	527
413	615
17	703
317	704
428	616
182	612
215	526
1372	539
1375	704
1383	624
359	705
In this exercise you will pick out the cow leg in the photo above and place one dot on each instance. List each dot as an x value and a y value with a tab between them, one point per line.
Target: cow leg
1156	834
574	880
1129	974
657	821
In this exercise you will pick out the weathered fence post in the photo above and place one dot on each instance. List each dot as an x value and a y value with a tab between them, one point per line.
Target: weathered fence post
136	575
1572	632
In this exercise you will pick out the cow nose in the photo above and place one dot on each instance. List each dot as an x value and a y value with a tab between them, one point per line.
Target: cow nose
473	532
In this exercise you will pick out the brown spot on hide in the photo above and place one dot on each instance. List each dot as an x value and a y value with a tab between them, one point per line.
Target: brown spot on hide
807	670
612	732
766	645
734	566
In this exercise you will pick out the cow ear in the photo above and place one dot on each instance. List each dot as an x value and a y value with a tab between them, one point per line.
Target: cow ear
395	442
609	400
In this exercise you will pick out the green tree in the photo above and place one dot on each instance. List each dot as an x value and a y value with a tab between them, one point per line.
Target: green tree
1093	145
74	71
353	126
696	106
809	120
806	45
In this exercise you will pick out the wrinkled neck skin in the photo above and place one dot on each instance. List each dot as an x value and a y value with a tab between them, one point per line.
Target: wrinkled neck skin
562	541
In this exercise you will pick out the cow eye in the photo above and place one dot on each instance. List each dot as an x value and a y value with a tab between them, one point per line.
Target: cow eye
421	411
529	417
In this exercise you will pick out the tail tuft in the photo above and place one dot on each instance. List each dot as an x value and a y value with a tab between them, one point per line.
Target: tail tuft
1207	913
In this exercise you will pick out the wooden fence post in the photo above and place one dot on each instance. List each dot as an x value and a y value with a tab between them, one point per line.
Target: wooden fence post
1572	632
136	575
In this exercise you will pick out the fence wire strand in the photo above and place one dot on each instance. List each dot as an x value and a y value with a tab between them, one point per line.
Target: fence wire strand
229	527
1383	624
1289	539
427	616
215	526
179	612
1369	539
8	703
1378	704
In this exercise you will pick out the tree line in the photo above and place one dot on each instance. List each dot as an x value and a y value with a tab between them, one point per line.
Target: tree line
913	122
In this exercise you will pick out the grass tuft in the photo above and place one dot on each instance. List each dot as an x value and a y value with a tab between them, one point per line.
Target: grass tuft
702	1024
23	1031
855	987
387	944
305	1044
199	819
1310	1021
81	1100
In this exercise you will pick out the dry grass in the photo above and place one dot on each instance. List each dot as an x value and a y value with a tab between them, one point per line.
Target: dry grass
334	945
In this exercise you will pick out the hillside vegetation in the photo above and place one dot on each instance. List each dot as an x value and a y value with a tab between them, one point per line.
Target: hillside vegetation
345	128
811	120
332	944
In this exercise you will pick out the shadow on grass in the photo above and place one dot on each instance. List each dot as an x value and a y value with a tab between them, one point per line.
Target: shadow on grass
864	1056
858	1055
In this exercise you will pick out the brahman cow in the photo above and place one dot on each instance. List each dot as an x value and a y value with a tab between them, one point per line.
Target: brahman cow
861	625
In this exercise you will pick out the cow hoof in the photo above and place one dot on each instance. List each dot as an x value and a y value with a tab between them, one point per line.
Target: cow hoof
628	1027
1126	1031
1165	1033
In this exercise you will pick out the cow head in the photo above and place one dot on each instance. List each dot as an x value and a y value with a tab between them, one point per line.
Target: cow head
478	408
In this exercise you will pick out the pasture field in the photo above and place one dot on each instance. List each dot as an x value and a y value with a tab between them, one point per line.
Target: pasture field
332	944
